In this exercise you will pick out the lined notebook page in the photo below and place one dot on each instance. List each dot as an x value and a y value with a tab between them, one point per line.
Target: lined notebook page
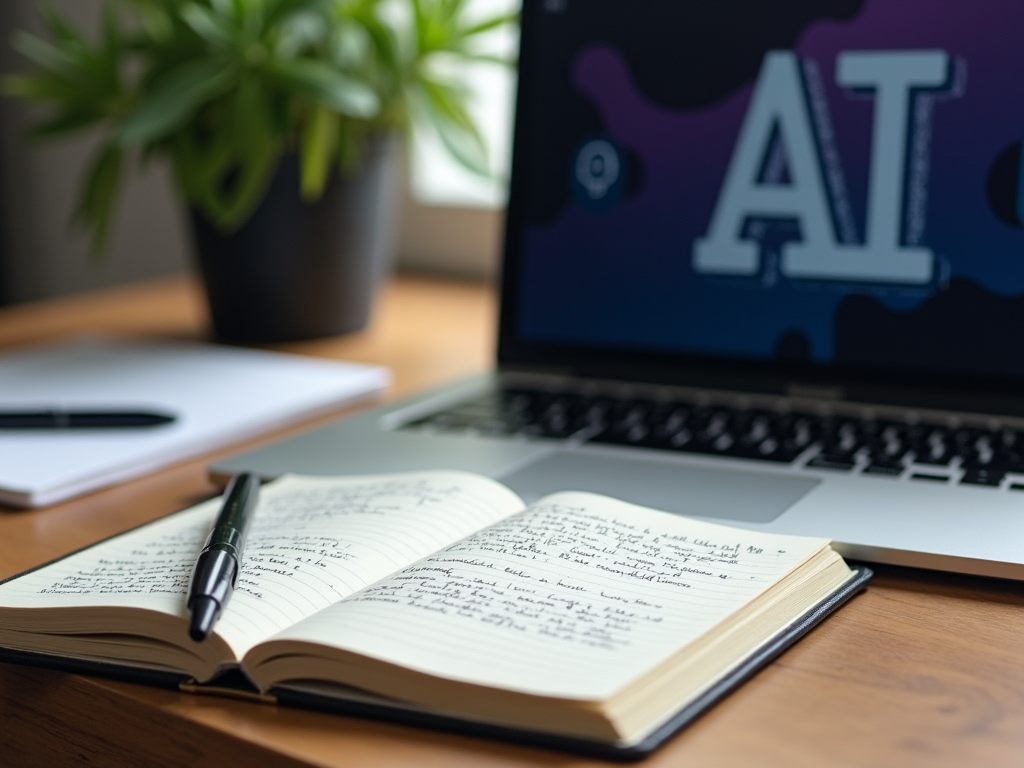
312	542
573	597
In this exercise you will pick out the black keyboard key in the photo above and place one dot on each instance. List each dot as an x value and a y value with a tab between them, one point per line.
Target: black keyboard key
885	468
770	449
801	430
833	460
681	439
982	477
934	455
931	444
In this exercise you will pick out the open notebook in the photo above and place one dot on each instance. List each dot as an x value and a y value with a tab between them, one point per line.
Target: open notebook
437	598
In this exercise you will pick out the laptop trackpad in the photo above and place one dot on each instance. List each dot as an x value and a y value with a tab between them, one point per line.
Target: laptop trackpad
749	496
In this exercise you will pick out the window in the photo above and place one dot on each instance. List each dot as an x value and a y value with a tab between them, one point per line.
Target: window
452	217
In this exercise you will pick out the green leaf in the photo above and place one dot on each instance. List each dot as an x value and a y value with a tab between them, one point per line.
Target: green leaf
98	194
174	99
420	20
349	46
108	55
277	10
48	57
63	34
250	119
229	200
187	166
38	88
444	108
157	23
487	58
495	22
228	9
232	209
223	166
352	139
324	84
202	158
66	122
450	10
319	144
387	62
207	24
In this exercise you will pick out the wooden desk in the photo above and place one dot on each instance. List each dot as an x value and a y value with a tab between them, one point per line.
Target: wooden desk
924	669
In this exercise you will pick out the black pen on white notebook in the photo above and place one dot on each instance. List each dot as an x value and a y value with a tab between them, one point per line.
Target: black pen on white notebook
79	418
216	568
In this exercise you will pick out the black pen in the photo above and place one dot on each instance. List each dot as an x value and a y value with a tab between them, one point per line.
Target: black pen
217	566
81	419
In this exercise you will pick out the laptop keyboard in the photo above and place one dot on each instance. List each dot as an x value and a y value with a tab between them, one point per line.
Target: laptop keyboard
927	451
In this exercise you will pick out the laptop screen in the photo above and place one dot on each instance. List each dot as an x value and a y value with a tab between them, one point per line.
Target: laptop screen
829	189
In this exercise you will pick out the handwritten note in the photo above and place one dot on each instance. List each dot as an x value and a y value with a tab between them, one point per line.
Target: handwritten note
571	597
160	566
313	541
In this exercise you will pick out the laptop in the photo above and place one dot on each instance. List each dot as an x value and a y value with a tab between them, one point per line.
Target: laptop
764	264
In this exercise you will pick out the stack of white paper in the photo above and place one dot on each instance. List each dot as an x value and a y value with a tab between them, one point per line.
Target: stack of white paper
217	395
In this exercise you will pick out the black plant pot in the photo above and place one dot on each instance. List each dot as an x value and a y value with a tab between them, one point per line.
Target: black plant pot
298	270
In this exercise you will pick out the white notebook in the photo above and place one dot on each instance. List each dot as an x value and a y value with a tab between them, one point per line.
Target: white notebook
217	395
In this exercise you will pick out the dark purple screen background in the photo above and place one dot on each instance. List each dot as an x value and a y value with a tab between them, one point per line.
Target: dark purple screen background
669	83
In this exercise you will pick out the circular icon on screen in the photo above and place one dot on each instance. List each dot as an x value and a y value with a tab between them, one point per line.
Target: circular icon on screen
1004	186
597	176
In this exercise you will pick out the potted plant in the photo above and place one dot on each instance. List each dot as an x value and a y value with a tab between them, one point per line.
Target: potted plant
279	119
